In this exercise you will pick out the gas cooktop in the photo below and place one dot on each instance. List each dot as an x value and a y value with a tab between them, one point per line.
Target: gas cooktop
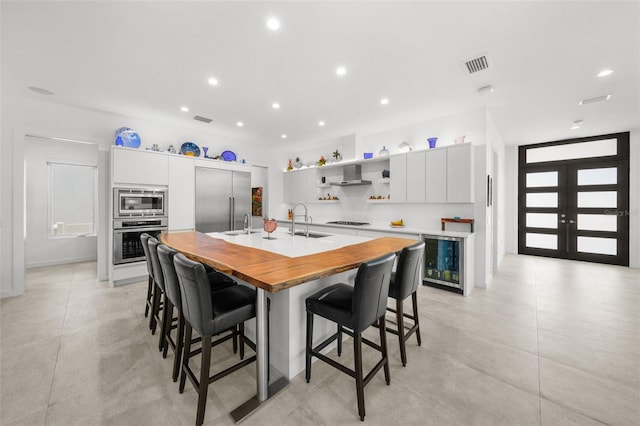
346	222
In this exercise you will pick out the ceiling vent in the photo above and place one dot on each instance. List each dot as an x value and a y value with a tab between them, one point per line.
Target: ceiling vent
203	119
477	64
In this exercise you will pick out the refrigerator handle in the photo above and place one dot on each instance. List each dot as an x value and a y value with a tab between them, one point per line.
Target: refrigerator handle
230	214
233	213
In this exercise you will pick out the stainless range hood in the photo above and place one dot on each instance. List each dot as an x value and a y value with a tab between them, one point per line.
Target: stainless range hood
352	175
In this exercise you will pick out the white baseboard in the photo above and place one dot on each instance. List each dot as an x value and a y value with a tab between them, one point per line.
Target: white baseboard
60	262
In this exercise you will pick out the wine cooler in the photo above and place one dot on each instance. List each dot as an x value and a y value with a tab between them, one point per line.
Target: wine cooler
444	262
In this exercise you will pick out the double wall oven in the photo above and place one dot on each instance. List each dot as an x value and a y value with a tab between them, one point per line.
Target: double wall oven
136	211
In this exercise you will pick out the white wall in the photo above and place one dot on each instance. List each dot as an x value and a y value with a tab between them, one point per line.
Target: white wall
40	248
29	115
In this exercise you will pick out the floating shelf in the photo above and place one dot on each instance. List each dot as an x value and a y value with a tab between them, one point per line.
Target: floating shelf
325	201
385	200
324	185
384	180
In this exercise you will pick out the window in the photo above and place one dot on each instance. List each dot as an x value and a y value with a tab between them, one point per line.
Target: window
72	199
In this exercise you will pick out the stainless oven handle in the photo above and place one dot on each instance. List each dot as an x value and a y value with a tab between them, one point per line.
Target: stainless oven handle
125	230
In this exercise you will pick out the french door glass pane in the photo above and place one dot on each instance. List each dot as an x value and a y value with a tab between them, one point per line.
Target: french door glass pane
544	241
598	176
535	180
598	199
542	220
542	199
601	148
598	245
598	222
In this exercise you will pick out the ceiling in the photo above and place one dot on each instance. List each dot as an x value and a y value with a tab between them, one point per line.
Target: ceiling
147	59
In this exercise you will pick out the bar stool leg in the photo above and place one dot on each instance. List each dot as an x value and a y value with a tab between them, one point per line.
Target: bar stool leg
179	348
414	298
309	346
185	355
382	325
149	296
400	321
339	340
155	309
165	326
357	353
204	379
241	339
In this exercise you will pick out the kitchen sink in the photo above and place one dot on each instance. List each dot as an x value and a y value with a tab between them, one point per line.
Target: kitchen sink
311	234
243	232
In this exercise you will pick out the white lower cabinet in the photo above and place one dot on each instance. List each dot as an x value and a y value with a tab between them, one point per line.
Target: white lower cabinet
181	194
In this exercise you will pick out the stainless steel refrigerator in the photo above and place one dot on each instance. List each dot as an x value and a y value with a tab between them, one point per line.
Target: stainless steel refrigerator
223	197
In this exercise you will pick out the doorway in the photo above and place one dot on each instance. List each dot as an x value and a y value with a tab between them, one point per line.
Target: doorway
573	199
61	201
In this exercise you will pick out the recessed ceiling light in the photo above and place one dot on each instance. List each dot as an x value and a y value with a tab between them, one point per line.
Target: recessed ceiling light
341	71
184	109
384	101
273	24
41	91
574	127
596	99
213	81
283	136
239	124
485	89
321	123
275	105
605	73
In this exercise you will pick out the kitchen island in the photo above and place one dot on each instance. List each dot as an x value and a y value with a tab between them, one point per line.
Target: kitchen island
278	267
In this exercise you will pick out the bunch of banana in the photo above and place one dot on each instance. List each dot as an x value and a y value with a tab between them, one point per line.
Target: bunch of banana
397	222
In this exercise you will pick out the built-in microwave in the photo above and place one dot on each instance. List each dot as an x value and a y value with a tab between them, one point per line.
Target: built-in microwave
130	202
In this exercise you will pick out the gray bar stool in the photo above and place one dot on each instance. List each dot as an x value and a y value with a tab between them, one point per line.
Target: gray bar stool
209	313
217	281
354	308
404	283
154	292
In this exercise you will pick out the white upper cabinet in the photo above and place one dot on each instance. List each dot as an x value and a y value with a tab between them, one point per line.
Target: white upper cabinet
435	175
416	179
460	173
181	193
134	167
299	186
398	181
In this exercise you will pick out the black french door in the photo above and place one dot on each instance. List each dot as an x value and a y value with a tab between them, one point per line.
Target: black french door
576	208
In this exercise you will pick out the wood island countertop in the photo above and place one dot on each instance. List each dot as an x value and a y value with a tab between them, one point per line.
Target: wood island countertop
272	271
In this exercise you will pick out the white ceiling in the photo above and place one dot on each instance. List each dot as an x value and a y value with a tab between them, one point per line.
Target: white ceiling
147	59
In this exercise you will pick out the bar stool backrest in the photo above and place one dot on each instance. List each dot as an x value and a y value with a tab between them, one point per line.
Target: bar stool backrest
196	293
155	262
370	292
144	239
409	270
171	286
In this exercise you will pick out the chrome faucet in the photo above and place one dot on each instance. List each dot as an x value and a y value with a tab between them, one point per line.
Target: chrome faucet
246	227
293	219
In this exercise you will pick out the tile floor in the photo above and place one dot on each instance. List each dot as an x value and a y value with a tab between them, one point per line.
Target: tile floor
550	342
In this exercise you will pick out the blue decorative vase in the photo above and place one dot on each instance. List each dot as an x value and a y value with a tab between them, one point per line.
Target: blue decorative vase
432	142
